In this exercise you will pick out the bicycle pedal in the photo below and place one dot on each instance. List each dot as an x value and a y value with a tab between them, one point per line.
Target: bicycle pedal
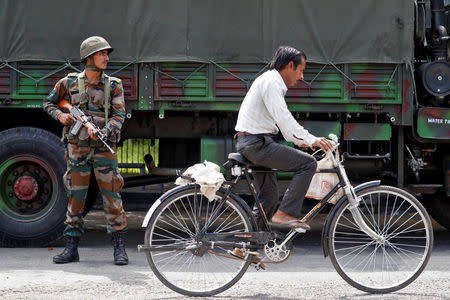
230	252
258	266
242	253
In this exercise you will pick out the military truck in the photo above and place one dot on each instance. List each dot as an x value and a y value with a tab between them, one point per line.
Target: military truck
378	76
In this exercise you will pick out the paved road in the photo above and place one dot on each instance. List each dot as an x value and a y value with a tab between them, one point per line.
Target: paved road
30	273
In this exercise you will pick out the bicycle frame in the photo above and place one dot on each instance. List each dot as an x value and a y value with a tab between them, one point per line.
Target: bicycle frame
344	183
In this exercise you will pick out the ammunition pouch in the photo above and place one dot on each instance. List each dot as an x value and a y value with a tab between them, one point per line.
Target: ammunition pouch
113	136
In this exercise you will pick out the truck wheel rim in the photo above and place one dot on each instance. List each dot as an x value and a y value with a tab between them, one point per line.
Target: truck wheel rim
28	188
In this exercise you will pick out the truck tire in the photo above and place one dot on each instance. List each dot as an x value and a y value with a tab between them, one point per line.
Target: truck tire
33	200
438	206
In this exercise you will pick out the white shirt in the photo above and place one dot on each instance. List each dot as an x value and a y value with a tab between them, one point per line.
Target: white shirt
264	108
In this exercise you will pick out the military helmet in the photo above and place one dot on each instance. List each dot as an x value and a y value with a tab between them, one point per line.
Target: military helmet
93	44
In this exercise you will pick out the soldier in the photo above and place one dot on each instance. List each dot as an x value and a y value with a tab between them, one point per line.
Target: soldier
101	98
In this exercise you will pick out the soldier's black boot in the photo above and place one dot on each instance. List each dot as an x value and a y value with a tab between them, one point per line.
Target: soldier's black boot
120	255
70	253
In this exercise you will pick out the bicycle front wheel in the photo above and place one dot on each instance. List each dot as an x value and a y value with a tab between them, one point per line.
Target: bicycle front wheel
188	266
381	267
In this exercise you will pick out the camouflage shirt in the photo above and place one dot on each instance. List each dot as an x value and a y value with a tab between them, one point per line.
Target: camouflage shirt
67	88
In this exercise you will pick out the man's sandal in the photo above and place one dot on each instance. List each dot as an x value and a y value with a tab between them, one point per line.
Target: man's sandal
289	225
238	253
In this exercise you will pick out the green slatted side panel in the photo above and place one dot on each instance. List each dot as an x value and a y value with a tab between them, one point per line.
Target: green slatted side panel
27	88
233	80
129	77
5	81
376	82
229	82
132	151
178	81
320	84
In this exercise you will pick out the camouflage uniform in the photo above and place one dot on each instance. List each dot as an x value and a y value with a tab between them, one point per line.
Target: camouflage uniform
83	153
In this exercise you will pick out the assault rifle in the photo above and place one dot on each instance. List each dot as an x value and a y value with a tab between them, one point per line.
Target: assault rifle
82	120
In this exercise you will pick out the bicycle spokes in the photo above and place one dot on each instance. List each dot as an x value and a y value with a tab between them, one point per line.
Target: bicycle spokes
405	246
178	248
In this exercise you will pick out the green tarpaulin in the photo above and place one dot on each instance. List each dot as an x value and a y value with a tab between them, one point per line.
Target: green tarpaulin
202	30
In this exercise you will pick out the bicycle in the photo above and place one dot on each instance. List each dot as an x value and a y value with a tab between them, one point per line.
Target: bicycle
379	238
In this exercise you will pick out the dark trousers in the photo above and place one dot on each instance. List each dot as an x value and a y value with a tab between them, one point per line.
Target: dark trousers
267	151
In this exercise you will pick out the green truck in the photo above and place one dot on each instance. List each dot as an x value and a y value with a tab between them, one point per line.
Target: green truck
378	76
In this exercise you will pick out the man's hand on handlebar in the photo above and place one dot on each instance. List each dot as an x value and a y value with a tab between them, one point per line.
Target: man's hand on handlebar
323	143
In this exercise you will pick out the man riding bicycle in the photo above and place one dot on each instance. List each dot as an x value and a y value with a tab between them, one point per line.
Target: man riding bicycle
262	115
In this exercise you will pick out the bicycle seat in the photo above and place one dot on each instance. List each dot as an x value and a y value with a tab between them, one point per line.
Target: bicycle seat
242	161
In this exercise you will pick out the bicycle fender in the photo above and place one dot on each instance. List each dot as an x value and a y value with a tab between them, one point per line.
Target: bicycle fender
326	227
160	200
169	193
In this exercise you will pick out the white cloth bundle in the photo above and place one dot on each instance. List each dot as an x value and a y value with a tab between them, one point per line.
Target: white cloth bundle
207	175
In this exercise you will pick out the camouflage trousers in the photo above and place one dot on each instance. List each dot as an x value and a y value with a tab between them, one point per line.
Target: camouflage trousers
80	160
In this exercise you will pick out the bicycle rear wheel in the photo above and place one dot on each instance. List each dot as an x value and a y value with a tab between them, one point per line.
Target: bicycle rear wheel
188	266
374	267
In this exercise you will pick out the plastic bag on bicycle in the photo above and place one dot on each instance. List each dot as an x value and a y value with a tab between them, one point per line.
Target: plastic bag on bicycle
323	183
